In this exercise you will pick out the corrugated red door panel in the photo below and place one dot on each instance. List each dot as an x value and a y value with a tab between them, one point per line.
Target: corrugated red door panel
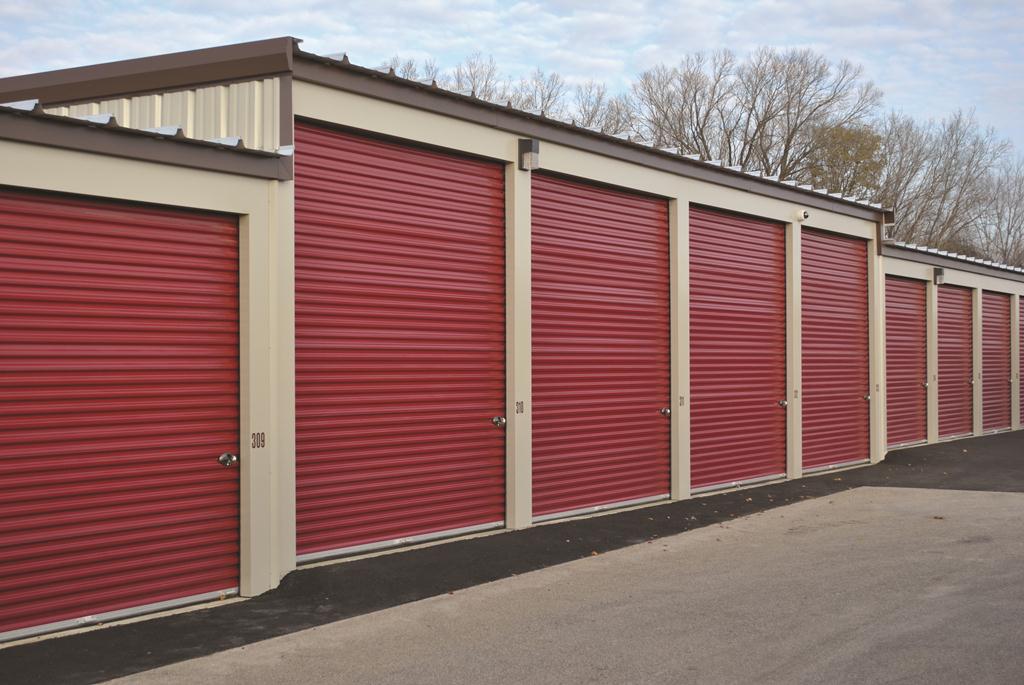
118	391
600	346
956	361
737	348
996	369
400	340
906	360
836	381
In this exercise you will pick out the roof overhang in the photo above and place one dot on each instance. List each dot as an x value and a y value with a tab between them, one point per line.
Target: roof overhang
153	74
387	87
282	56
38	128
952	263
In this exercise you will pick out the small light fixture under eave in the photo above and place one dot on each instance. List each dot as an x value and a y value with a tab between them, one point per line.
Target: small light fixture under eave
529	154
939	275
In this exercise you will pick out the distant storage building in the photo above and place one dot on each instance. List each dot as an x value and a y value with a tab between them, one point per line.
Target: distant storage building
261	307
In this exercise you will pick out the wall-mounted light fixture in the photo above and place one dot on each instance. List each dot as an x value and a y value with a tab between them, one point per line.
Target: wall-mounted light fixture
939	275
529	154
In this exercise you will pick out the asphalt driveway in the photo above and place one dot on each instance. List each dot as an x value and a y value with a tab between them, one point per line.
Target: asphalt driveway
908	571
873	585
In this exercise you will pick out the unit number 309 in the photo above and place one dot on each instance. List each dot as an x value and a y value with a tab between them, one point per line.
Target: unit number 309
259	440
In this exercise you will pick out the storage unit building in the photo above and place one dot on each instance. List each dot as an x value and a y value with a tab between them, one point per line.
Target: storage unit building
444	316
906	361
400	342
996	375
121	399
600	346
737	349
956	362
836	377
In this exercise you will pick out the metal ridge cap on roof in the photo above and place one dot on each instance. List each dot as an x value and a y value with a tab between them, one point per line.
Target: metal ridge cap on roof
769	181
933	255
106	137
153	74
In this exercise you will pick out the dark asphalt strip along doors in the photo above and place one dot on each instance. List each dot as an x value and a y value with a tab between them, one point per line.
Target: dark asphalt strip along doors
906	361
737	348
400	342
600	346
118	393
836	380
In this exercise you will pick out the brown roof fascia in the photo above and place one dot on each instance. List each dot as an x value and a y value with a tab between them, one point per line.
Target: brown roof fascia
62	132
342	76
153	74
949	263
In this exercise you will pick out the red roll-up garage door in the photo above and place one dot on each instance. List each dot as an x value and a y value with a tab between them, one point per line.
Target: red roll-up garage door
996	371
836	381
737	348
118	392
956	362
906	361
400	341
600	346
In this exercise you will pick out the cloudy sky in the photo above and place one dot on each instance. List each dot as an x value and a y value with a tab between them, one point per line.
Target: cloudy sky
929	56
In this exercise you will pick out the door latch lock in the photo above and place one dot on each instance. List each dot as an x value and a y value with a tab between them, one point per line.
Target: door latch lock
665	411
867	398
227	459
783	403
499	421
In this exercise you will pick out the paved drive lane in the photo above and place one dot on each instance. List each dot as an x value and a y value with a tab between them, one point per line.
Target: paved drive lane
870	585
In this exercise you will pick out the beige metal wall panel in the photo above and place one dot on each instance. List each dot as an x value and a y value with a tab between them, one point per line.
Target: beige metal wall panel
179	110
249	110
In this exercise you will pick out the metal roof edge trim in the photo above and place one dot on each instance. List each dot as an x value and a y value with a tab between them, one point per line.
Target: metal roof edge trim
115	141
336	74
890	249
157	73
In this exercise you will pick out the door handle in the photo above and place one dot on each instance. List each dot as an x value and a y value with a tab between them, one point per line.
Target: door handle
227	459
867	398
783	403
499	421
665	411
924	385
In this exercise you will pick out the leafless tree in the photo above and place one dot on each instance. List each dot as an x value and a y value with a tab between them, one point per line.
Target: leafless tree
426	70
1001	235
593	107
937	177
480	76
540	92
797	115
762	113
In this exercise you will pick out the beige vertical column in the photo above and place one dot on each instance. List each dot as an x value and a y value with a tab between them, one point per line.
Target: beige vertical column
267	392
932	335
1015	348
976	375
876	351
256	460
794	351
518	350
283	403
679	284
